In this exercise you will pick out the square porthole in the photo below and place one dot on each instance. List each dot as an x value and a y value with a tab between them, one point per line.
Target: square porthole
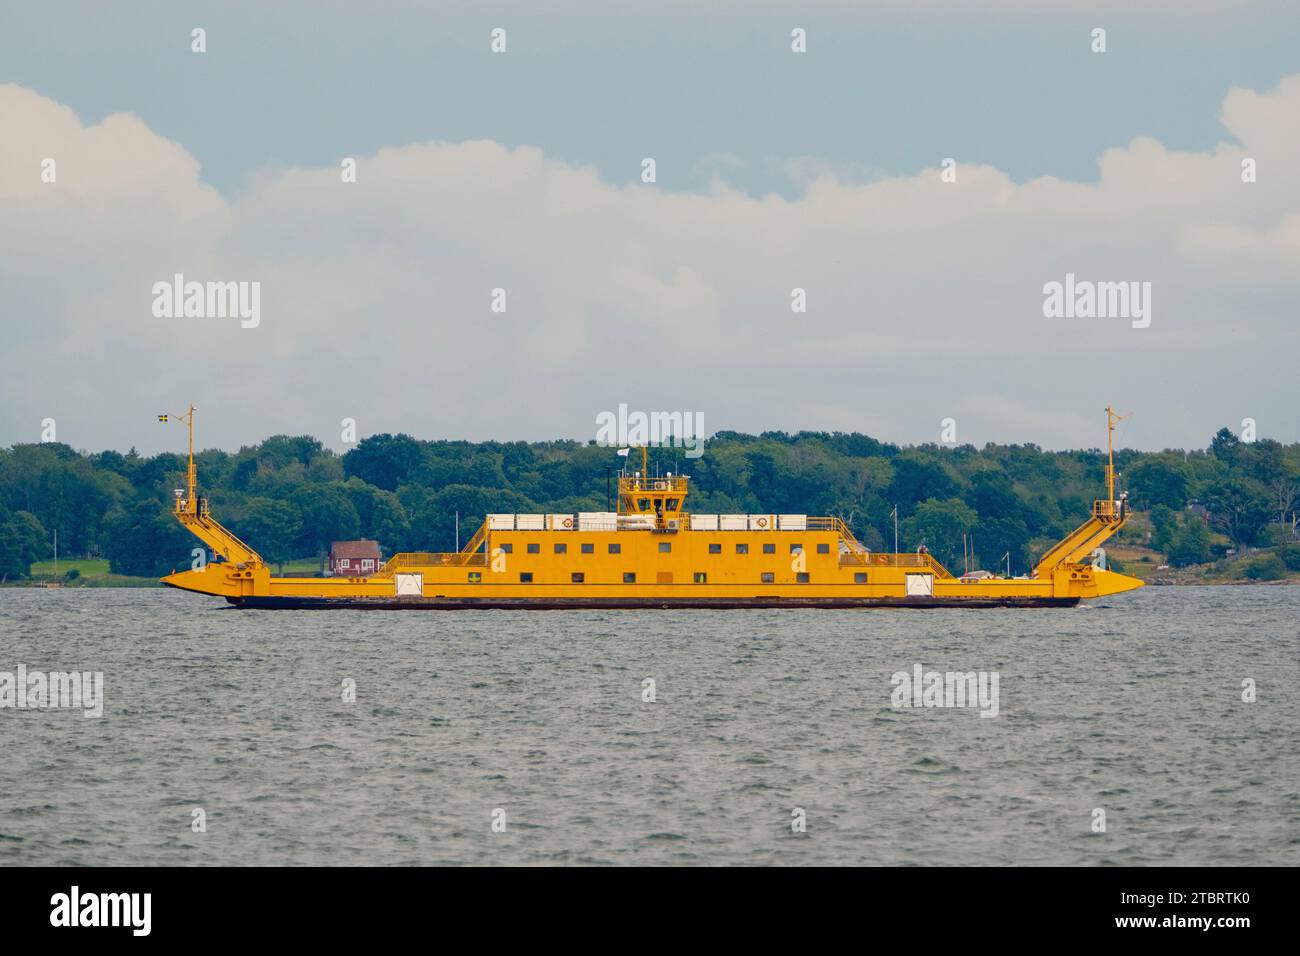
507	548
701	577
768	577
534	549
769	548
577	577
715	549
588	548
802	577
859	577
525	577
665	547
742	549
823	549
629	577
615	549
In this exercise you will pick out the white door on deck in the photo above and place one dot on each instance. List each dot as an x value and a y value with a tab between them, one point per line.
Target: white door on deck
410	584
920	585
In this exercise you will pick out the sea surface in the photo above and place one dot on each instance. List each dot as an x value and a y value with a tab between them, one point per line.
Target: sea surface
760	719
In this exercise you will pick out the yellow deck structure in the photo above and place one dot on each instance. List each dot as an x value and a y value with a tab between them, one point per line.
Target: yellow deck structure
653	553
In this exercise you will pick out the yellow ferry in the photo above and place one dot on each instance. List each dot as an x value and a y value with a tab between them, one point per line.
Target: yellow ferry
653	553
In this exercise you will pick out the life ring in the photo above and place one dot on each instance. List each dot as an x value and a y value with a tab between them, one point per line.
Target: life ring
567	522
761	522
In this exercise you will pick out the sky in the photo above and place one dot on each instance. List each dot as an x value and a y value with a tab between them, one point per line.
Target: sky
775	171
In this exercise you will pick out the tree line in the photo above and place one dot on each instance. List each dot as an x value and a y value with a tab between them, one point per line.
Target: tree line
290	497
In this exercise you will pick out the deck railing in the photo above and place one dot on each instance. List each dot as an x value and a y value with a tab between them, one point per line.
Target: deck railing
424	559
881	560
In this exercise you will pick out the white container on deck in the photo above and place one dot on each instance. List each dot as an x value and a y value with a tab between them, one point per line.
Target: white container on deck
597	521
636	522
501	522
762	522
530	522
793	522
704	522
561	522
733	522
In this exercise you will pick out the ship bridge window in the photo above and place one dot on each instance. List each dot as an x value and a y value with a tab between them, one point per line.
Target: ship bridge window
769	548
588	548
561	548
665	547
742	549
671	504
715	549
643	504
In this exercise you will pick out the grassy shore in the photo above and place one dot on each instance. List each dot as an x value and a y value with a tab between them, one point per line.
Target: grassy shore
91	573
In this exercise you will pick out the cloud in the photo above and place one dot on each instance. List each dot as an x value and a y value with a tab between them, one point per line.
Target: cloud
376	295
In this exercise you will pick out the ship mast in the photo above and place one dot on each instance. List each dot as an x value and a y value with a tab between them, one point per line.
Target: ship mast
191	479
1112	419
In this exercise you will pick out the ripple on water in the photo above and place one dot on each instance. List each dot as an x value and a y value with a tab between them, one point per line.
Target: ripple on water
1132	706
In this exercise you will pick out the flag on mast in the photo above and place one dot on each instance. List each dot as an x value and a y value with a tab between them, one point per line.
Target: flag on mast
624	451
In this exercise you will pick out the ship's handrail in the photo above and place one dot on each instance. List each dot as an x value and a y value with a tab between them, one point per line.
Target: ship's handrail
882	560
418	559
677	483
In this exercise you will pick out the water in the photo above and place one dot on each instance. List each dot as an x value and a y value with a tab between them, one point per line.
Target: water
1132	705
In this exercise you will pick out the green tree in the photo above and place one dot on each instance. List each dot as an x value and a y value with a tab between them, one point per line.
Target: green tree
1164	526
384	461
939	525
1267	567
1240	508
1189	544
23	539
269	527
328	515
146	541
1158	480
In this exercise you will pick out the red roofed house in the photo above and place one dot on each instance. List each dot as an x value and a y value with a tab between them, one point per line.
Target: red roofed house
354	559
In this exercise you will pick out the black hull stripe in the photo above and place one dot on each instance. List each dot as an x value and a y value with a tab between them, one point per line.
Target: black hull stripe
561	604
